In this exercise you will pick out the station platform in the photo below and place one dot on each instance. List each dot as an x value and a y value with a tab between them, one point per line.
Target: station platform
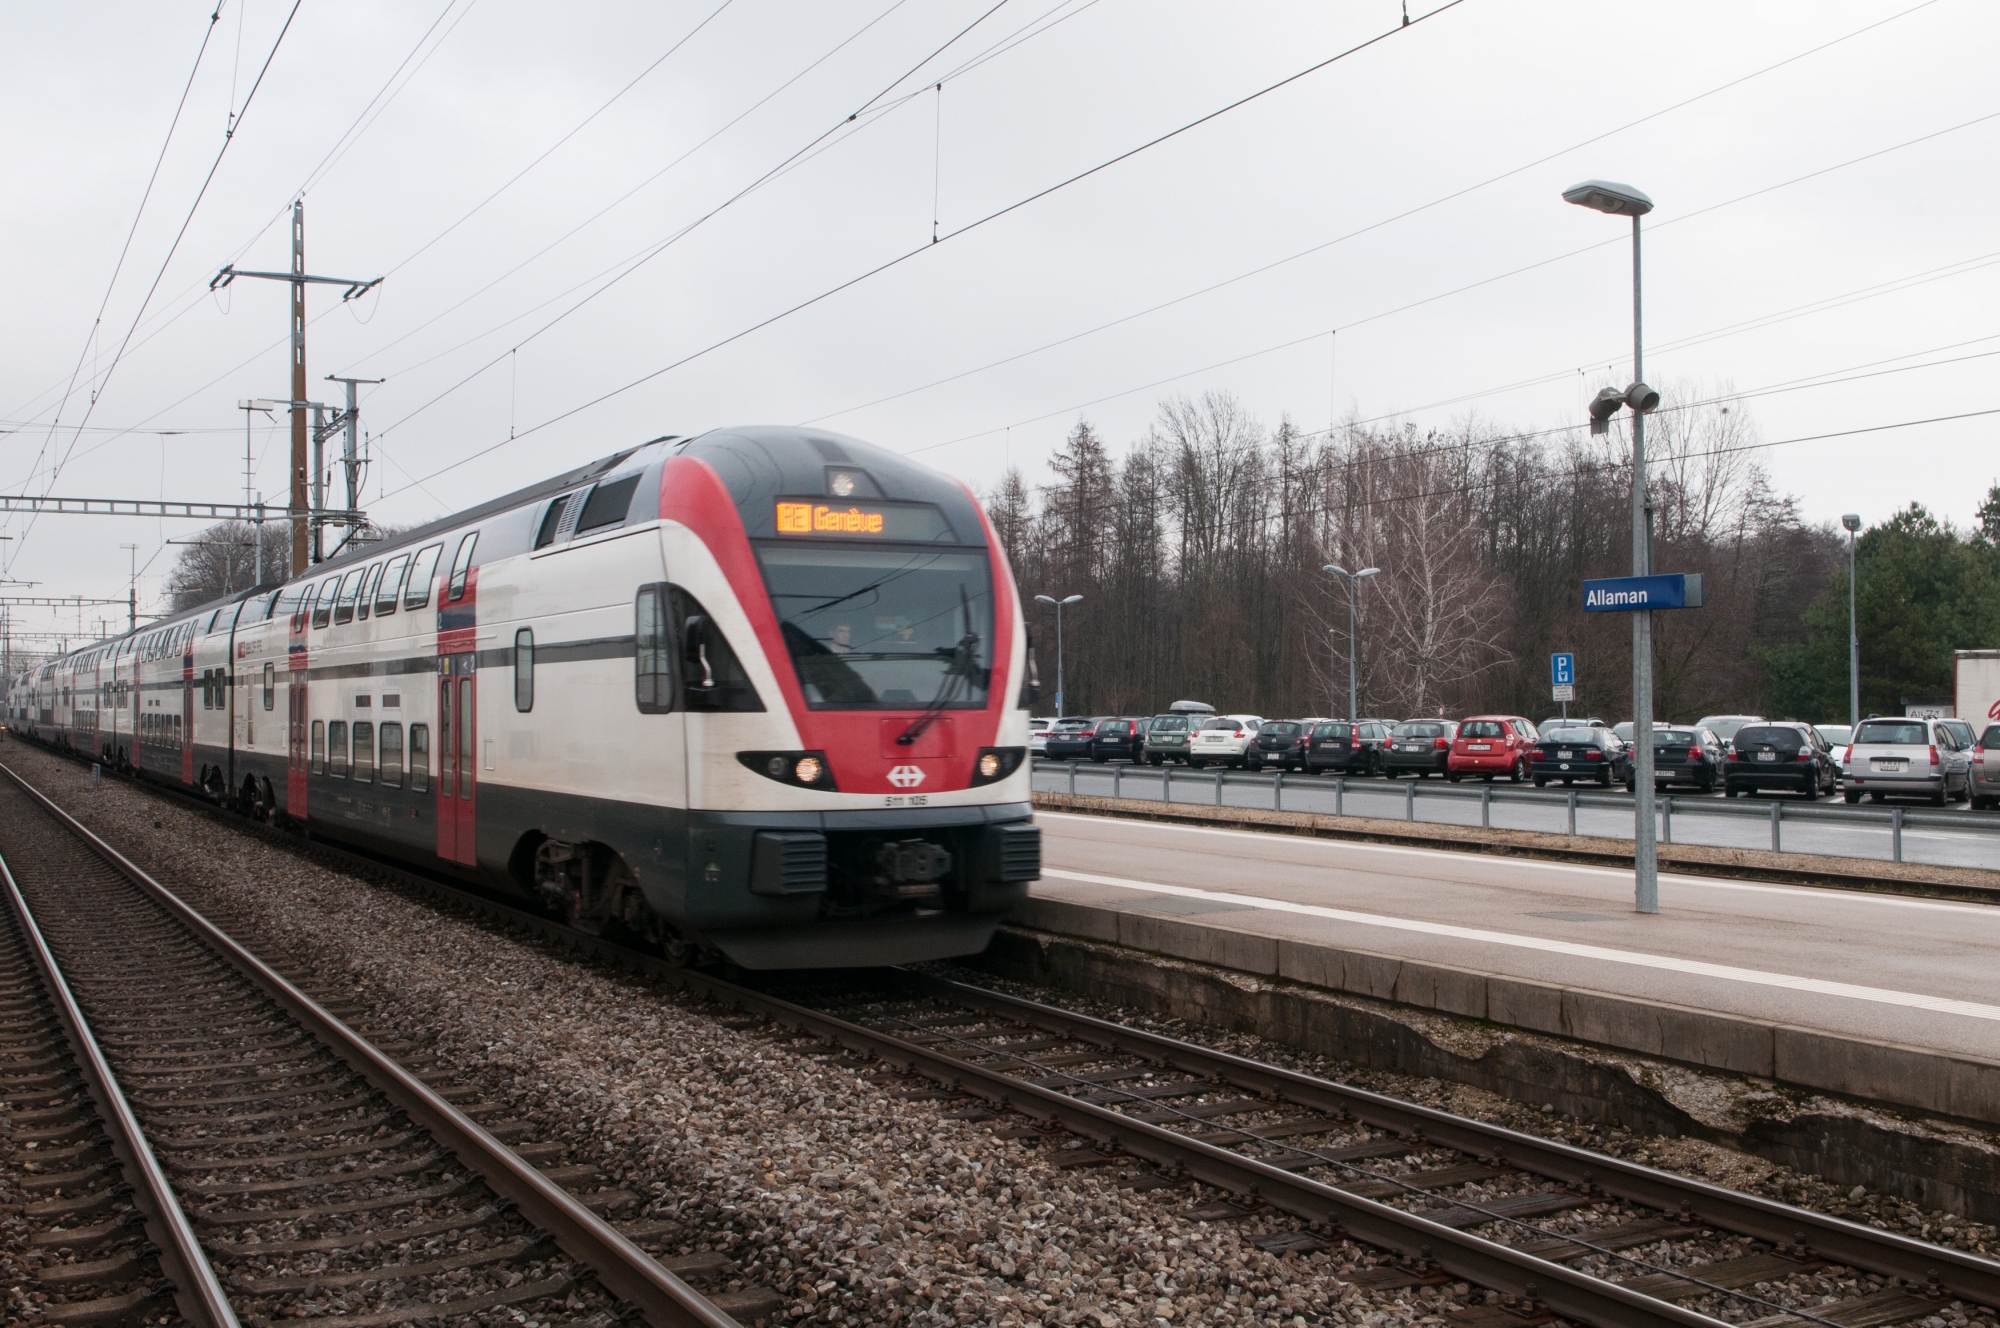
1883	997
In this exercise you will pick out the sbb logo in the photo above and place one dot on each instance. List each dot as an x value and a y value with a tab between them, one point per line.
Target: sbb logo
906	776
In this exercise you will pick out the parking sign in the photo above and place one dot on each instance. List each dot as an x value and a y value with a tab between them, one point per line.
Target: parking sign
1562	670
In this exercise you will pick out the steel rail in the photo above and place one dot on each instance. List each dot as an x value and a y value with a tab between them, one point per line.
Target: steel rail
198	1292
1964	1275
1926	1266
623	1268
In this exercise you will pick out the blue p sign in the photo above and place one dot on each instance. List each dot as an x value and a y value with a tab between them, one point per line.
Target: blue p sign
1562	670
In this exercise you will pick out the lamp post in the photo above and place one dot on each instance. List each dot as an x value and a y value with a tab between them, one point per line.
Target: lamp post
1353	706
1073	599
1622	200
1852	521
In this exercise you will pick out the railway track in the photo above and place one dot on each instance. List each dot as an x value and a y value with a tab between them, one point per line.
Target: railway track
1552	1230
210	1134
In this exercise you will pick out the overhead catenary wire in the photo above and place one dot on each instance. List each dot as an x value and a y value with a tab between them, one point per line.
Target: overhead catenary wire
953	234
145	196
1471	285
173	248
1378	224
654	251
196	292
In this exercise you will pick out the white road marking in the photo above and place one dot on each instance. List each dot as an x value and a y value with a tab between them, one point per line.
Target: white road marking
1635	958
1828	894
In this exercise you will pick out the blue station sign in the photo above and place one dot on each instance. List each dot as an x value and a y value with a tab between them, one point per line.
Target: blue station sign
1627	594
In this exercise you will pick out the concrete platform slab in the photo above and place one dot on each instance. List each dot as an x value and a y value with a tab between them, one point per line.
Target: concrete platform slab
1882	997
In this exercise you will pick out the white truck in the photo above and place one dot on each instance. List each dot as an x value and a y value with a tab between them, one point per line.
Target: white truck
1976	687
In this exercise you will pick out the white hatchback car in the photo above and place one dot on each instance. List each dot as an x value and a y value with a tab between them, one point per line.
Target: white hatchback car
1038	736
1892	758
1224	740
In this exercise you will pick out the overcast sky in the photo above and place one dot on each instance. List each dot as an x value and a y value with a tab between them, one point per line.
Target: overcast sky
1822	172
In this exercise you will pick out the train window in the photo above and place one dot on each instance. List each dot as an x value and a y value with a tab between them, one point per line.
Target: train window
319	747
712	678
322	605
392	755
392	584
423	571
270	608
524	670
336	748
653	662
608	504
553	520
350	586
465	748
420	757
368	584
270	685
461	565
364	752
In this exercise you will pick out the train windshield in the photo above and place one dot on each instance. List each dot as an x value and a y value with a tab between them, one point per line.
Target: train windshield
884	628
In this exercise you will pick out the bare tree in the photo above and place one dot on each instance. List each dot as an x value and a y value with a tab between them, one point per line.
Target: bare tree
223	560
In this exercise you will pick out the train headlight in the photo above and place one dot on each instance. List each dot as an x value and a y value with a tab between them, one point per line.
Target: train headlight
996	763
798	769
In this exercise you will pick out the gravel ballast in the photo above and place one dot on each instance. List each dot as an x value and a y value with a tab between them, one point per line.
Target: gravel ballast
807	1171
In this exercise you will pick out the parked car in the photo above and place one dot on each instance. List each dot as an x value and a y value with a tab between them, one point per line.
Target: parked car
1118	739
1489	745
1782	755
1725	726
1838	737
1225	739
1167	737
1038	736
1420	747
1683	755
1577	755
1897	757
1983	768
1070	739
1347	747
1570	722
1281	742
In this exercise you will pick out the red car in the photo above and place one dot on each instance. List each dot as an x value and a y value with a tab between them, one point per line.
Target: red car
1489	745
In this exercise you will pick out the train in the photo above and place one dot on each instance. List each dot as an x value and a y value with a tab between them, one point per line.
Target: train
757	696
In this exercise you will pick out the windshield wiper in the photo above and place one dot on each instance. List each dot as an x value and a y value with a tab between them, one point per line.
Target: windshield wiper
959	670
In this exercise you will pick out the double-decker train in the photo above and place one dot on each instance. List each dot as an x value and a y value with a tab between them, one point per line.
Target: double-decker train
759	693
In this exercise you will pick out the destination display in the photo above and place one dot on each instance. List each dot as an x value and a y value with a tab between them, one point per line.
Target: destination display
883	521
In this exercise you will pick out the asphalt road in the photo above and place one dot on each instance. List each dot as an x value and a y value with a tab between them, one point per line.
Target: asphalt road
1697	818
1912	971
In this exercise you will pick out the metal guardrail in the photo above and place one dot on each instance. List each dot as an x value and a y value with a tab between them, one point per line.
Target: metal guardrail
1892	819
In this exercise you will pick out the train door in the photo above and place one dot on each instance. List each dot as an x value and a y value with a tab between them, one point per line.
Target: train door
187	716
295	750
458	732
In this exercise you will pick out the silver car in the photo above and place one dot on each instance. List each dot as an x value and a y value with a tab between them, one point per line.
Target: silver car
1985	768
1902	758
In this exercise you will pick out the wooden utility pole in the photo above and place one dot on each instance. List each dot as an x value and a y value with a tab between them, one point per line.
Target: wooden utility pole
301	506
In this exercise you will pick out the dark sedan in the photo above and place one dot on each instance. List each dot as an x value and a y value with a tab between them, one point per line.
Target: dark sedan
1070	739
1578	755
1280	742
1785	756
1683	756
1420	747
1347	748
1118	740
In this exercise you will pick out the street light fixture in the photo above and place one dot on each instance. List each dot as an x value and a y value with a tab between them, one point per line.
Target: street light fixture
1622	200
1353	706
1852	521
1073	599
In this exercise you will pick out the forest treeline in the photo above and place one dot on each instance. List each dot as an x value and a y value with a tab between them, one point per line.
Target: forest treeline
1199	548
